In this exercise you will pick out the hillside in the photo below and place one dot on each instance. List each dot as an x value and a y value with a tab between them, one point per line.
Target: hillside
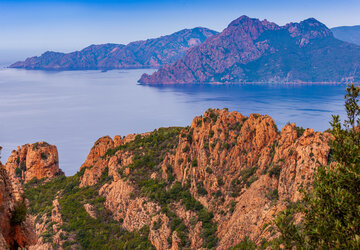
250	50
349	34
149	53
210	185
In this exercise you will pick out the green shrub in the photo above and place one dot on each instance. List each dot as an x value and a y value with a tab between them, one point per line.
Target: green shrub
43	156
275	171
245	244
211	133
209	170
18	214
220	181
273	195
194	163
200	188
18	172
331	207
299	131
23	166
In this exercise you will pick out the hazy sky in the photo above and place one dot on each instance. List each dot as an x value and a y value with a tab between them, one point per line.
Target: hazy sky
29	27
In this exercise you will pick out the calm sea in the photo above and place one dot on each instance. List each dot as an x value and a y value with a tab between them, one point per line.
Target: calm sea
72	109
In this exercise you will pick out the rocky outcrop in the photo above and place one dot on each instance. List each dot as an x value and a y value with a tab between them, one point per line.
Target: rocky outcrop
250	50
240	168
225	177
38	160
140	54
96	162
244	170
13	234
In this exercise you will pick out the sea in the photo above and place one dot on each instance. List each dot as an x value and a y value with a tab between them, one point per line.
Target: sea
72	109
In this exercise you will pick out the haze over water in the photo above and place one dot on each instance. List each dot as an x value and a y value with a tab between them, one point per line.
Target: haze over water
72	109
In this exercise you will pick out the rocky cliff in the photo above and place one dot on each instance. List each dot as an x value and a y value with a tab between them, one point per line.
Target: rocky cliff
38	160
150	53
209	185
16	228
250	50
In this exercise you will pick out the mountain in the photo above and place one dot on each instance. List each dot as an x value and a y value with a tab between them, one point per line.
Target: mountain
209	185
250	50
349	34
140	54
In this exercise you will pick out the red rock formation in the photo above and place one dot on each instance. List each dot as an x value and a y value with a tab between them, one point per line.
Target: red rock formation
12	235
38	160
249	170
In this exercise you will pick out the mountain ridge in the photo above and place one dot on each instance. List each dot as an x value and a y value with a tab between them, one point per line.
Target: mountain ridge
250	50
150	53
349	34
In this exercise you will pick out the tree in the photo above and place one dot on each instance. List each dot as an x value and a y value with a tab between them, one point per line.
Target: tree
332	208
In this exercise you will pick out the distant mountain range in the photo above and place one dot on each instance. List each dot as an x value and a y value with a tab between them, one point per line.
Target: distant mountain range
250	50
151	53
349	34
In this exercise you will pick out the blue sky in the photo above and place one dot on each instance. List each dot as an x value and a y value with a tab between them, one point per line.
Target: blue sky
29	27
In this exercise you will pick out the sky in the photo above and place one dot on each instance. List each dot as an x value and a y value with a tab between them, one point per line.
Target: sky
31	27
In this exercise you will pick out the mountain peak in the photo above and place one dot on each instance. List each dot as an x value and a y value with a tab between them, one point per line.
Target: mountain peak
243	20
309	29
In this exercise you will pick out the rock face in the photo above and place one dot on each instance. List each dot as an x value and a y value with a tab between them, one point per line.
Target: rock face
242	169
350	34
248	169
140	54
250	50
38	160
209	185
12	235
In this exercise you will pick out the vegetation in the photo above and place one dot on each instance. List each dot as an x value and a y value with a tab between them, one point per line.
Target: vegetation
331	209
102	232
247	175
18	214
148	153
245	244
275	171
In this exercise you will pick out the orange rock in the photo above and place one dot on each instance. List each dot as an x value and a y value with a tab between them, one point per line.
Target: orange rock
38	160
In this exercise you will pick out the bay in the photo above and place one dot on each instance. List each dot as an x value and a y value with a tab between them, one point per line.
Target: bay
72	109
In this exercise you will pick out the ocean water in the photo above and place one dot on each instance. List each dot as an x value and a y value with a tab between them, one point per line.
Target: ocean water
72	109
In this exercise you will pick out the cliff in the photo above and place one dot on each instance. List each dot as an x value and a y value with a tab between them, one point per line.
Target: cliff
38	160
250	50
16	228
209	185
150	53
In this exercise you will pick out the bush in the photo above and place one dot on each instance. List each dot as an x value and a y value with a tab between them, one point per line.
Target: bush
299	131
273	195
275	171
200	188
18	172
18	215
43	156
209	170
186	149
211	133
245	244
194	163
331	207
